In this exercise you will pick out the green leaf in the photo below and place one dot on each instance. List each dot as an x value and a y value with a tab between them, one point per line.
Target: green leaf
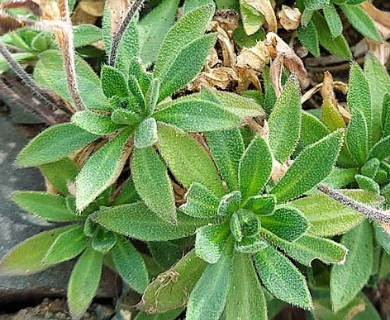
379	82
348	279
330	116
191	26
187	159
282	278
53	144
170	290
152	96
311	166
337	46
152	183
49	73
246	299
135	220
381	150
361	21
315	4
196	115
187	64
308	248
113	82
127	193
85	34
84	282
165	253
308	36
229	203
261	205
209	296
333	20
123	116
153	29
102	169
358	137
227	147
136	90
359	97
312	129
382	235
66	246
386	116
252	19
130	265
340	177
44	205
286	223
285	118
254	168
201	202
26	257
367	183
103	240
146	134
94	123
210	242
59	173
327	217
128	47
190	5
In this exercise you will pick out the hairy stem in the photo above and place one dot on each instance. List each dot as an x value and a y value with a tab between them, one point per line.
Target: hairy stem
25	77
367	211
122	28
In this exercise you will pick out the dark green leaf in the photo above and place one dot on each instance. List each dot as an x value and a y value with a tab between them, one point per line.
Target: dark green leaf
152	183
127	193
308	36
165	253
84	282
285	118
254	168
311	166
44	205
201	202
130	265
348	279
102	169
53	144
282	278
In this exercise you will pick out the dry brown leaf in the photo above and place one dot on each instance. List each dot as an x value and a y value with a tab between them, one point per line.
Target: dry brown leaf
265	8
327	87
253	58
25	4
246	78
275	72
289	18
92	7
227	20
292	62
220	78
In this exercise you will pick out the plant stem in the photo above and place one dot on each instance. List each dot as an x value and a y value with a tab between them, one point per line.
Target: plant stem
368	212
122	28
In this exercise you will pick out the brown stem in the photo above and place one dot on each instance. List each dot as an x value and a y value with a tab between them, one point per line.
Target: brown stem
367	211
122	28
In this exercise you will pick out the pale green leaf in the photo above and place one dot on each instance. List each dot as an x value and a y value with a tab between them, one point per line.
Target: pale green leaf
252	19
246	299
94	123
137	221
53	144
311	166
85	34
66	246
348	279
282	278
170	290
84	282
255	168
152	183
26	258
102	169
123	116
227	148
146	134
187	159
44	205
285	118
129	264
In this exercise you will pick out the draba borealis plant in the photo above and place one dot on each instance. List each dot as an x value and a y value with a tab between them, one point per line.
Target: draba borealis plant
211	199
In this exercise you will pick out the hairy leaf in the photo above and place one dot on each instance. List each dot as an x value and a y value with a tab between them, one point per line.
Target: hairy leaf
315	4
146	134
285	118
333	20
152	183
255	168
84	282
358	137
103	240
348	279
311	166
129	264
381	150
102	169
308	36
282	278
262	205
187	159
85	34
367	183
44	205
312	129
94	123
113	82
386	116
53	144
137	221
229	203
123	116
201	202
